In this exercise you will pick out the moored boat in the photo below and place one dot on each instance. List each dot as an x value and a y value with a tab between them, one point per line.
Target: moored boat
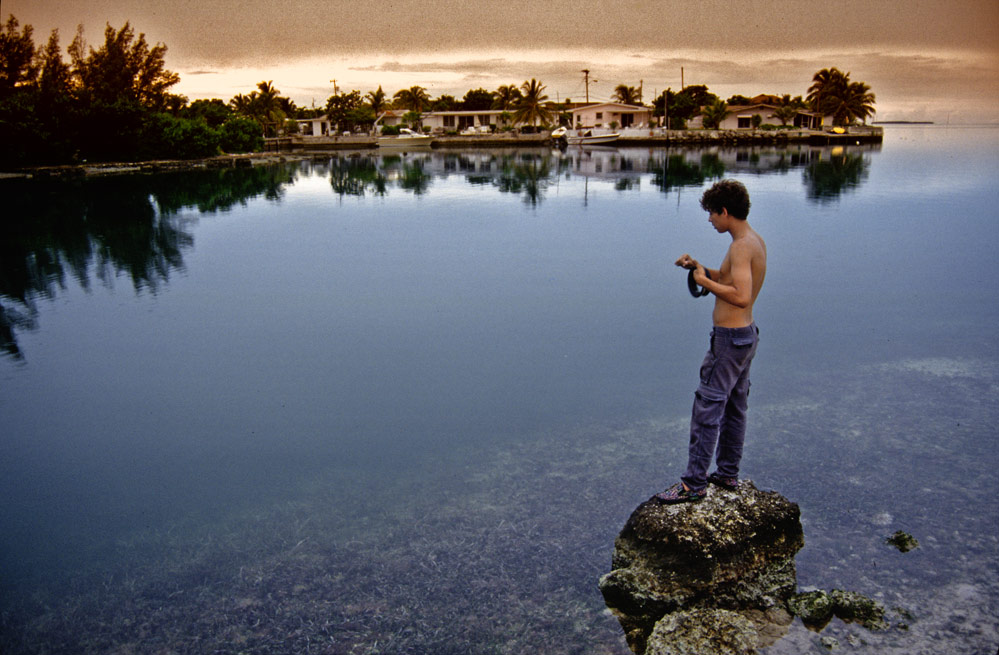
588	138
583	138
406	138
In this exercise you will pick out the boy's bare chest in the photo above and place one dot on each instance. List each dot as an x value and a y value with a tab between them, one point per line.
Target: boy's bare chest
725	270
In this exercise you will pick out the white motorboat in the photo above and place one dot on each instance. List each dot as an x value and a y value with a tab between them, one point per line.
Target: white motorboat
590	139
406	139
584	138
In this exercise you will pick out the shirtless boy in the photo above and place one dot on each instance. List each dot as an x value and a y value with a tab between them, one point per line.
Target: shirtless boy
718	421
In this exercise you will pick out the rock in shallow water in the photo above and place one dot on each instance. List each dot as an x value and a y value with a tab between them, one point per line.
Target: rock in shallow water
903	541
729	554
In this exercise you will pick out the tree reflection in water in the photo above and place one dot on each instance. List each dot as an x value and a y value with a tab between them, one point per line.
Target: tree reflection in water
828	177
104	227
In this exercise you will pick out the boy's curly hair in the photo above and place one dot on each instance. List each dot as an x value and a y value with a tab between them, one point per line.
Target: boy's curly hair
727	194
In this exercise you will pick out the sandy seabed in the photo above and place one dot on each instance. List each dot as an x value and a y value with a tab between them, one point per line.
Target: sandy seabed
498	549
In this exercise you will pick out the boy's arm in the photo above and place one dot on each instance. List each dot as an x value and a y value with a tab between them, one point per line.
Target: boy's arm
688	262
740	292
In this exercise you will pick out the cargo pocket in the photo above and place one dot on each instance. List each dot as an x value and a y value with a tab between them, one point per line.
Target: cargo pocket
707	367
709	395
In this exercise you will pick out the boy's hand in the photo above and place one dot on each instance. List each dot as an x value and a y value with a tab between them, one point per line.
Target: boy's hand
686	261
700	275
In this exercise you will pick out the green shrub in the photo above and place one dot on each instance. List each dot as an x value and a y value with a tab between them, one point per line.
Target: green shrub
241	135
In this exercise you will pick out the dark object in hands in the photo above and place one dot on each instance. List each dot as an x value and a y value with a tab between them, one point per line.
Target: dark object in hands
697	290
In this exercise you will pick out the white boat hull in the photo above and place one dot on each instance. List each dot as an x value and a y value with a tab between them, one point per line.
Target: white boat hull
406	138
404	141
595	140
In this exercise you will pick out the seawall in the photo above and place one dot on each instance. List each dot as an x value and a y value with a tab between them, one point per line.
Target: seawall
654	138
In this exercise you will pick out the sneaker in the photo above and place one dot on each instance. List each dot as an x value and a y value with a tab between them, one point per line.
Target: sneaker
677	494
725	483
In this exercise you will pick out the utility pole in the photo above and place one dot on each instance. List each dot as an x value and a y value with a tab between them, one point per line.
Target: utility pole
681	79
666	108
586	81
334	87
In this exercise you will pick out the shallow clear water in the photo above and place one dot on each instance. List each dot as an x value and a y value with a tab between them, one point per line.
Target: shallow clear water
406	402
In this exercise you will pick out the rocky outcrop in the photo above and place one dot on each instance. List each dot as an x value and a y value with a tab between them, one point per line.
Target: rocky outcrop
706	577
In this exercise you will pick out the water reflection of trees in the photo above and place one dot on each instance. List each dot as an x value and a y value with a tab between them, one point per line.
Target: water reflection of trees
358	175
678	170
828	171
354	177
827	178
103	228
529	174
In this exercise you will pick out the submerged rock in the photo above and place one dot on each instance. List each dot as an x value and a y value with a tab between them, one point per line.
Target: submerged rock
903	541
687	632
705	577
857	608
816	609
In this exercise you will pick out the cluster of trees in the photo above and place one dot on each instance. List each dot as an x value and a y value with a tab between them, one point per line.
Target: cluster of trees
105	103
526	104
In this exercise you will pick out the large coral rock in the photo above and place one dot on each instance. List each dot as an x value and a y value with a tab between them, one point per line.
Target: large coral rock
732	552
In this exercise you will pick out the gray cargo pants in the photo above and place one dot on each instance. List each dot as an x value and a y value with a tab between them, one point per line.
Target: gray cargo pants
718	420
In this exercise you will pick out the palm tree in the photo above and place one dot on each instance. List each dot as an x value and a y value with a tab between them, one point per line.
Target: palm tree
266	107
627	95
825	83
714	114
833	94
530	108
241	104
415	98
785	113
506	97
788	108
855	102
377	100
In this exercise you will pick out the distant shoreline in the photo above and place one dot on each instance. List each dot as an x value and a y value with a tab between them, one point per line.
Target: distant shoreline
292	149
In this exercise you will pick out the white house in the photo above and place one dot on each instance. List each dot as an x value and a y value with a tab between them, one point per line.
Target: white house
389	117
740	117
605	113
483	121
319	126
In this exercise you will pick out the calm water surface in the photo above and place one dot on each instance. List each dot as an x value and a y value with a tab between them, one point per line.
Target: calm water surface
404	403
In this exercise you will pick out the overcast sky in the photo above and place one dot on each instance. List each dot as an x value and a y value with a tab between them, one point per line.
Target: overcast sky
924	59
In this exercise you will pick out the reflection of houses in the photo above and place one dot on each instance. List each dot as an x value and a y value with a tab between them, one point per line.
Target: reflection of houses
606	113
740	117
